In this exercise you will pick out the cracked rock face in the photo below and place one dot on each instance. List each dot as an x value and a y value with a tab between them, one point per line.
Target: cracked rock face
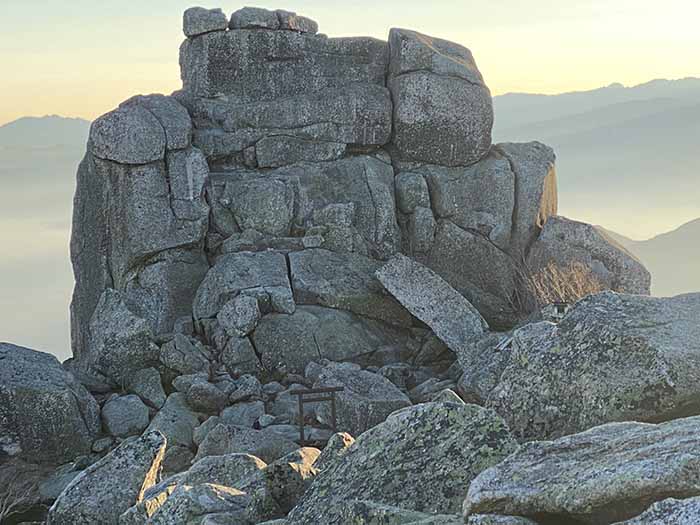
46	416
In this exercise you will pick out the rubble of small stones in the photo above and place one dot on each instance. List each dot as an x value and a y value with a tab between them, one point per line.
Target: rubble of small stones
309	213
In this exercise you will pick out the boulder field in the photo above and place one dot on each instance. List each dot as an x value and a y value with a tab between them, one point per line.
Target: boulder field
314	212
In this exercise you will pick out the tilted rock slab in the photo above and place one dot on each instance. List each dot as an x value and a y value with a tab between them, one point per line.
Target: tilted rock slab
106	489
614	357
422	458
606	474
432	300
45	414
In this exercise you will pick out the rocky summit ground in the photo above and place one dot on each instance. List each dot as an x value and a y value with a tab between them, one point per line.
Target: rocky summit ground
330	213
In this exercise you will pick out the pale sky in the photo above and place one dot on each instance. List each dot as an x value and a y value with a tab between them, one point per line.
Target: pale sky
82	57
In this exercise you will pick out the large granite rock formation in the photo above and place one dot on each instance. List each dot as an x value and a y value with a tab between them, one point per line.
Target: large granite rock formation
286	170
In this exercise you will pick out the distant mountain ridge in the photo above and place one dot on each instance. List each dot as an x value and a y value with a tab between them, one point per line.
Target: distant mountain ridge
673	258
622	152
44	132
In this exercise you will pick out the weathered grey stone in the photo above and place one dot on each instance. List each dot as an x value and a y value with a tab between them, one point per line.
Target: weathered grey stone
366	401
264	444
106	489
127	236
171	115
45	414
239	272
290	342
120	343
184	383
312	126
286	406
458	257
125	416
432	300
239	355
411	192
176	421
239	316
676	511
495	519
246	387
421	458
343	281
276	64
564	242
206	397
243	414
364	182
254	18
606	474
166	286
479	197
335	449
184	356
373	513
536	199
192	503
290	476
147	385
128	135
484	362
294	22
442	108
635	357
198	20
202	430
188	173
231	470
276	151
421	230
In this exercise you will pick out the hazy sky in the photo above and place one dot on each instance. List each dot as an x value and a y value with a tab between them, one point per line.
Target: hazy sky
81	57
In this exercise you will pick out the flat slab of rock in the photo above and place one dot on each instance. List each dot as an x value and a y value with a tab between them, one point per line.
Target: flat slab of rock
635	358
432	300
606	474
421	458
345	282
106	489
45	414
277	64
